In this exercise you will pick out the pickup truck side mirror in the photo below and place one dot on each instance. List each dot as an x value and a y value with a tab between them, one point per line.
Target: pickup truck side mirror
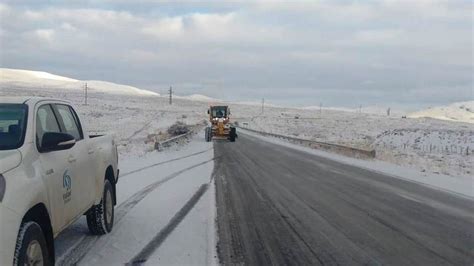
54	141
208	112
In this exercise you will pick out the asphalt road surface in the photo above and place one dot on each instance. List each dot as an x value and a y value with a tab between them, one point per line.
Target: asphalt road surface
280	206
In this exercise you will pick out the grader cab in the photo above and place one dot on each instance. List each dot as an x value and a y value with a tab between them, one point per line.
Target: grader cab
220	124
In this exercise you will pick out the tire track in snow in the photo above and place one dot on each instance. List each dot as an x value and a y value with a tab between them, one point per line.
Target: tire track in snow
160	163
127	205
138	131
156	242
75	254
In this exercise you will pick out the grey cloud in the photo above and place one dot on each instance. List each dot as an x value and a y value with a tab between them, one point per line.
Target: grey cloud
404	52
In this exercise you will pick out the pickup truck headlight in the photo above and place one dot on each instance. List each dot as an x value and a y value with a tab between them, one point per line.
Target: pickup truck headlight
2	187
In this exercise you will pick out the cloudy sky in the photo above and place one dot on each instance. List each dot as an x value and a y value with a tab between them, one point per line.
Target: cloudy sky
340	53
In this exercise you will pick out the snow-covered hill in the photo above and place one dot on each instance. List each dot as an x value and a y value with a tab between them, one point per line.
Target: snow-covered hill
28	75
375	110
317	108
460	112
199	98
109	87
37	80
255	103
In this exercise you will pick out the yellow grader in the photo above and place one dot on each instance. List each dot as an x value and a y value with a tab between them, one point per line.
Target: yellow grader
220	124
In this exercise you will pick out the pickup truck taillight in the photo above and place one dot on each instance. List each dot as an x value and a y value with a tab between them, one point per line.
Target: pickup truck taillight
2	187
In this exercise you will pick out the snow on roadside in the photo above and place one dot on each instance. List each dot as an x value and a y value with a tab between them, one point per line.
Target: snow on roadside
190	244
463	186
147	218
133	231
427	144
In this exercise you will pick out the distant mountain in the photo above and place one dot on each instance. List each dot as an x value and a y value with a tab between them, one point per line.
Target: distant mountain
460	112
316	108
255	103
375	110
39	79
199	98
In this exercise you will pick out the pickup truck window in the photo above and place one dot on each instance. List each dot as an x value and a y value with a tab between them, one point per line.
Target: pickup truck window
69	121
45	122
13	119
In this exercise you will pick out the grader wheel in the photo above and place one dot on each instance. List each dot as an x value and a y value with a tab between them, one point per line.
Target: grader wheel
233	134
208	134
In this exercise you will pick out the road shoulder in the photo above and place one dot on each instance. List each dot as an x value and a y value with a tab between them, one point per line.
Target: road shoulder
460	186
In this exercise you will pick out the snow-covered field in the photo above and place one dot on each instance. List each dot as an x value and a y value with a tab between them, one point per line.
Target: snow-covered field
134	116
426	144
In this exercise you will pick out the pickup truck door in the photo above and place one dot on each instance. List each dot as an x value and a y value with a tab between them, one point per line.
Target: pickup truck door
81	162
53	167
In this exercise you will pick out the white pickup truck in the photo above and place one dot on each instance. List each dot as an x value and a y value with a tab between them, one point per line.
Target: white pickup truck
51	173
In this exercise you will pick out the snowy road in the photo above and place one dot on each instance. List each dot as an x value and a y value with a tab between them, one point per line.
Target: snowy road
165	214
277	205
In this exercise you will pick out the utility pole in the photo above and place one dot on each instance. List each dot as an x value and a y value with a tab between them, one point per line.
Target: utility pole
360	109
263	105
320	109
171	95
85	93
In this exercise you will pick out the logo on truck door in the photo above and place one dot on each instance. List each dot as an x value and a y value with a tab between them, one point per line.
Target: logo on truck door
67	184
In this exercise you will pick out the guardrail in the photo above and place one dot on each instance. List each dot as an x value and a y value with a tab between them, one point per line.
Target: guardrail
160	145
336	148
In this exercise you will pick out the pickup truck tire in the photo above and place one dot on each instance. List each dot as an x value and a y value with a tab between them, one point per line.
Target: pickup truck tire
31	247
100	218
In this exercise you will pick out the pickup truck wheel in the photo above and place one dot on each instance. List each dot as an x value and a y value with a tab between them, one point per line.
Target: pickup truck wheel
31	248
100	218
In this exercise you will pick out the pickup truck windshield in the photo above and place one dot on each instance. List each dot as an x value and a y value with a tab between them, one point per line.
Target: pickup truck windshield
12	125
